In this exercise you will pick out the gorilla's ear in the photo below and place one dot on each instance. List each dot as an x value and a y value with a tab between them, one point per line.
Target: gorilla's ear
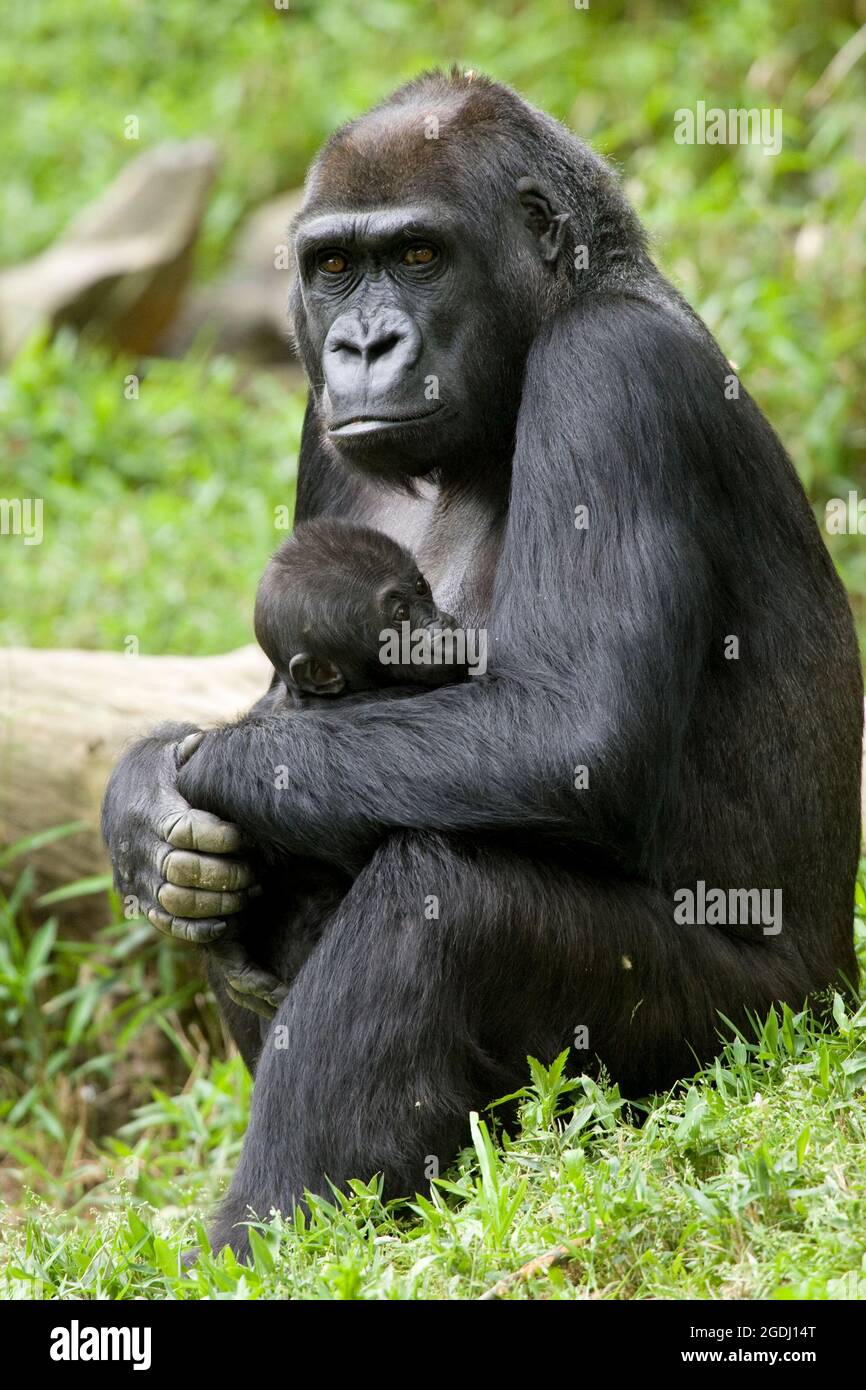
542	218
315	677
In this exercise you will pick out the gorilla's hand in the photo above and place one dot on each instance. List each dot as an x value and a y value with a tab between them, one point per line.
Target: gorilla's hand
165	853
246	983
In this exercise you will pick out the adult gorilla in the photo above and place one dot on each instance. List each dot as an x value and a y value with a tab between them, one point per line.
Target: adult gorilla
472	384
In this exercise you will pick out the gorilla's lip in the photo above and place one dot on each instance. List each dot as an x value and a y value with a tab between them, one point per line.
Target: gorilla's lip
373	424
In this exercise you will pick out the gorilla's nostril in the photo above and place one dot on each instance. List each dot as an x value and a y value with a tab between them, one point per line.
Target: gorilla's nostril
381	346
338	345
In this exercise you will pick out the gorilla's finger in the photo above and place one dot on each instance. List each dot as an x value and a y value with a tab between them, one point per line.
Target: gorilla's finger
190	870
198	902
187	747
250	1002
244	977
200	933
199	830
258	984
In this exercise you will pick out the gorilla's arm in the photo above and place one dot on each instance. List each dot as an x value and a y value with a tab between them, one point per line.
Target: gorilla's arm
598	634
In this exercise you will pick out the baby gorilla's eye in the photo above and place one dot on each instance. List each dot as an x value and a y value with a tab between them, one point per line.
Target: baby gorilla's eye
332	263
421	586
401	614
419	255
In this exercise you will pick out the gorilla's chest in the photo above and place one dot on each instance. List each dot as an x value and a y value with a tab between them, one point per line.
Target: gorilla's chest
456	544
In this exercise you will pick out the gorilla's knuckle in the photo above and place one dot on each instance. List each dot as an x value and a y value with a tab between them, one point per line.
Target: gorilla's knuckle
176	868
174	827
190	869
175	899
161	920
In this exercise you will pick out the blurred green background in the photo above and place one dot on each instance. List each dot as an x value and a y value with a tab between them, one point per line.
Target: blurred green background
159	513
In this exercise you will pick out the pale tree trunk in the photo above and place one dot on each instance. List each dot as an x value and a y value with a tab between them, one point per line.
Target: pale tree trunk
65	718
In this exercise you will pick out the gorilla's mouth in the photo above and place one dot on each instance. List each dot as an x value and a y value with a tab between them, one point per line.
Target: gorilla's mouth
374	424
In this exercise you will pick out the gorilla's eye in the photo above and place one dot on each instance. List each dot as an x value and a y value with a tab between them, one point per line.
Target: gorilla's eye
401	614
332	263
419	255
421	586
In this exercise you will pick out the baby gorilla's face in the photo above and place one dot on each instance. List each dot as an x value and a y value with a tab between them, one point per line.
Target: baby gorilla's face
377	632
415	642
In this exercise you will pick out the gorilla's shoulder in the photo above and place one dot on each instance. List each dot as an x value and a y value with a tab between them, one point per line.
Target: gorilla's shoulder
627	335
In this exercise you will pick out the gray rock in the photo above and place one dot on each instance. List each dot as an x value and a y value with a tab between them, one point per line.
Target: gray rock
121	266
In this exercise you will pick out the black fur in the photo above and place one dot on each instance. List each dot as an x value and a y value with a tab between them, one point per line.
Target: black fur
560	387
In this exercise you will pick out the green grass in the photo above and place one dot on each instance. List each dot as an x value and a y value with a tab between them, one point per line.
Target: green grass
118	1115
159	511
748	1184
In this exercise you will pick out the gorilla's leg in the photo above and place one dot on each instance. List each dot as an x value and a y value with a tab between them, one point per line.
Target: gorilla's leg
401	1022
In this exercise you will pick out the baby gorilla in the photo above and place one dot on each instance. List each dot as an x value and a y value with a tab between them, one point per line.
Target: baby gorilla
331	609
341	611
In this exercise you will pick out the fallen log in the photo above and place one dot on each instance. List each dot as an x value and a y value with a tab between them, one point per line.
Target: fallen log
65	718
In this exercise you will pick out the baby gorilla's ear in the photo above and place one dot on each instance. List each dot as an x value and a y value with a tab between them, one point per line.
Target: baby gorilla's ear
315	677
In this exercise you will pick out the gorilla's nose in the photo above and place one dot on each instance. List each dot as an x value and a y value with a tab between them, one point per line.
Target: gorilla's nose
367	360
443	622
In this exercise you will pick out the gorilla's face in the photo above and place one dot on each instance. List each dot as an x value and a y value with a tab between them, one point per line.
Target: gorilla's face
408	330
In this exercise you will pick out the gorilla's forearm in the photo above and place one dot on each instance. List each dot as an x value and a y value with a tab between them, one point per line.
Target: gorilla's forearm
489	756
337	782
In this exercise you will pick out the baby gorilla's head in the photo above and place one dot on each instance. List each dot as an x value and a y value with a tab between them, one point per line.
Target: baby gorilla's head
327	596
